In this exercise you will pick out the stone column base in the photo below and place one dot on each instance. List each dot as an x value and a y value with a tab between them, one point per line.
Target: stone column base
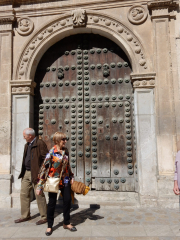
148	201
5	190
166	196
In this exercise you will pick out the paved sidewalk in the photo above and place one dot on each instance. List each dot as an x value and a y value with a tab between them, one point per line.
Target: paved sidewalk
100	224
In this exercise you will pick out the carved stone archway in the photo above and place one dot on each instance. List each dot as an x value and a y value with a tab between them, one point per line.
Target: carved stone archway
66	25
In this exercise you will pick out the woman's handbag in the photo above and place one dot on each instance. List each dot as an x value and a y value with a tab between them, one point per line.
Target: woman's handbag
52	184
79	188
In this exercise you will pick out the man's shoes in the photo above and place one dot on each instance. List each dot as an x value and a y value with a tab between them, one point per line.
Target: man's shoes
20	220
72	229
48	233
42	221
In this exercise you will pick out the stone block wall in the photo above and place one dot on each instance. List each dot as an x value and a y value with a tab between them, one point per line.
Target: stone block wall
149	34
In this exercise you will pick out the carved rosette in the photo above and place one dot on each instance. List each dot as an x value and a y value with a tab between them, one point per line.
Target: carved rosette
79	17
67	21
143	80
22	87
137	14
25	26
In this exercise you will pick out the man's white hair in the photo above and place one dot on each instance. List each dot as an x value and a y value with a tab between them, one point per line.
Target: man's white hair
29	131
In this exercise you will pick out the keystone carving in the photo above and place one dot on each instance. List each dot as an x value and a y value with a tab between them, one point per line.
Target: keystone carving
137	14
25	26
79	17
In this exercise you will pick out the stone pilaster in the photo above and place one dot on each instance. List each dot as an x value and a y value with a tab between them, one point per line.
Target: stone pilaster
146	155
162	12
22	117
6	21
176	73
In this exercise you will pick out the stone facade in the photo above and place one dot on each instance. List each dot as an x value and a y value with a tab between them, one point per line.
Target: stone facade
148	32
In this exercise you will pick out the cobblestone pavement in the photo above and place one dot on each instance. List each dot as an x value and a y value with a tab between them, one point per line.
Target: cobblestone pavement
100	224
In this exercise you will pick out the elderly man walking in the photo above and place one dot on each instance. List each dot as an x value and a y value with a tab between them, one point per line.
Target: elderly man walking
35	151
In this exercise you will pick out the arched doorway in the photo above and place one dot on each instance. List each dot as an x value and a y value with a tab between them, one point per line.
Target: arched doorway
84	89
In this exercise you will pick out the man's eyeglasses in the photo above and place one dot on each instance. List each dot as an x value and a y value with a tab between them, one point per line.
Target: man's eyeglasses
64	139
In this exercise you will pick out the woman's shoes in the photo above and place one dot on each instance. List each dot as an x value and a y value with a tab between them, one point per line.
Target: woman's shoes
72	229
48	233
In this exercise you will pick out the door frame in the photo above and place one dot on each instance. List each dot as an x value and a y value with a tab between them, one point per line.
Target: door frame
143	80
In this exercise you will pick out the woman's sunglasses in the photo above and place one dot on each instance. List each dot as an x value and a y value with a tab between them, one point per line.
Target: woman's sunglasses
64	139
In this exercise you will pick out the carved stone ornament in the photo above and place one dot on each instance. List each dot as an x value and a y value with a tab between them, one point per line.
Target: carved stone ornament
25	26
137	14
163	8
144	83
163	3
143	80
7	18
79	17
23	87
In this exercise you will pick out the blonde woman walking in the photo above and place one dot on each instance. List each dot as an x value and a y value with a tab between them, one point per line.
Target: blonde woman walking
57	160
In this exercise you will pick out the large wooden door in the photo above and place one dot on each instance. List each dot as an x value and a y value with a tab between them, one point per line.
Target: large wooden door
84	89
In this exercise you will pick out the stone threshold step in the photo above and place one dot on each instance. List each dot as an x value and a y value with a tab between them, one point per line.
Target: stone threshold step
108	196
103	198
102	205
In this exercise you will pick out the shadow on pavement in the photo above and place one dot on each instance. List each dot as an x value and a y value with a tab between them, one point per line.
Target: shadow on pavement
79	217
35	216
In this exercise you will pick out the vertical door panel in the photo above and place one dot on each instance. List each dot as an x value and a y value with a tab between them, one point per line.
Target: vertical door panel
103	144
